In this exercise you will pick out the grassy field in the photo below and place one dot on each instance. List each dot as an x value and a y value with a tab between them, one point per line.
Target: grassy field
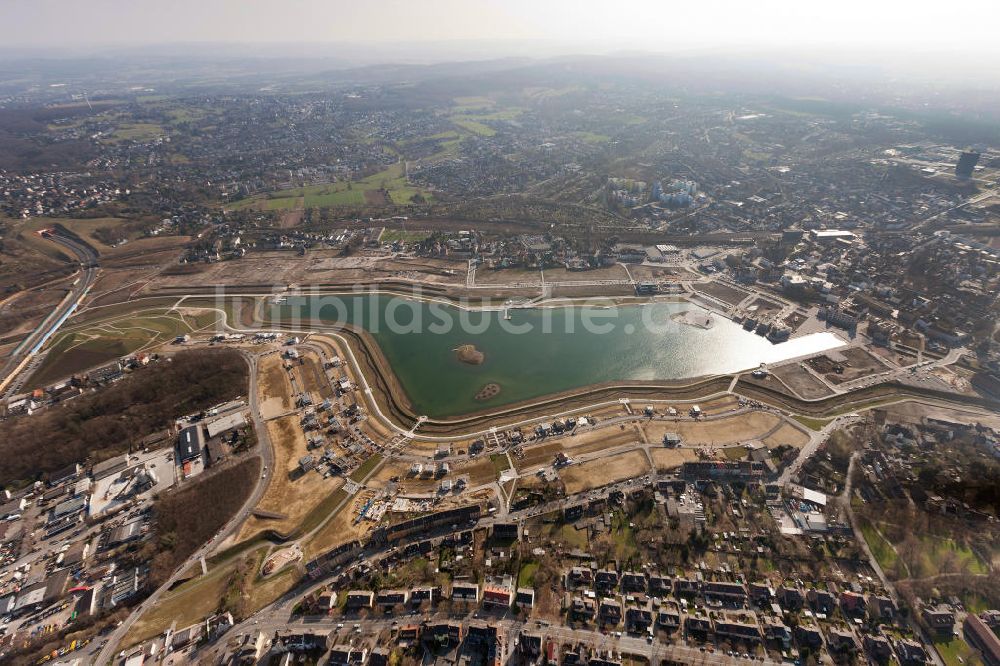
393	235
136	132
501	463
955	652
526	577
934	551
81	348
186	604
365	468
84	228
471	124
881	549
810	422
342	193
592	137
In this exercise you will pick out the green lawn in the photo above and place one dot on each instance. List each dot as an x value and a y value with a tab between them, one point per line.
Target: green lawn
811	422
936	550
352	197
282	203
592	137
365	468
526	578
322	511
735	452
341	193
137	132
501	463
955	652
568	534
393	235
472	125
83	347
881	549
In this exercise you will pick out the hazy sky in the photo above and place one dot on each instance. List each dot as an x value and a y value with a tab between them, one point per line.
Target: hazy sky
579	25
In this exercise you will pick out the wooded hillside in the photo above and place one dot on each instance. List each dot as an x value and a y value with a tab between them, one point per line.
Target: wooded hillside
99	425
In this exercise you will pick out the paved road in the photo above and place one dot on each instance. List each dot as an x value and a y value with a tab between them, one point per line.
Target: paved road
266	452
25	351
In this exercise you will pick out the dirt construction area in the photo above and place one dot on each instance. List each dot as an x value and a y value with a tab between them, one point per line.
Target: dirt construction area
317	267
666	459
838	367
588	441
718	432
275	387
288	492
801	382
601	472
722	292
786	435
662	273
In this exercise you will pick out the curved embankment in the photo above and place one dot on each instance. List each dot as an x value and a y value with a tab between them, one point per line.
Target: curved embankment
835	404
394	402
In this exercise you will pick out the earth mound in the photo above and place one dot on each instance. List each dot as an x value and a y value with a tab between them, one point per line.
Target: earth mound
469	354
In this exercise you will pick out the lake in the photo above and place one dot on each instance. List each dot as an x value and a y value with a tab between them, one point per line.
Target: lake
541	350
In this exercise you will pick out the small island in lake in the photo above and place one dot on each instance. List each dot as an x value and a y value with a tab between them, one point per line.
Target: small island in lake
469	354
489	391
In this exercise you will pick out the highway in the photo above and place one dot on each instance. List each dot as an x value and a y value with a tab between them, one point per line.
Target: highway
266	453
11	378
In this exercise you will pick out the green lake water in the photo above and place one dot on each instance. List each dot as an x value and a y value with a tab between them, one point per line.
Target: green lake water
556	353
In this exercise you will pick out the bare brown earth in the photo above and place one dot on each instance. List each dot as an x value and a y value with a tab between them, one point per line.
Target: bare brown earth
723	292
665	459
603	471
318	267
288	492
801	381
720	432
470	355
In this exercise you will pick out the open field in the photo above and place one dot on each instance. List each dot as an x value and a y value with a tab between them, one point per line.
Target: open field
288	492
537	454
390	182
601	439
342	526
262	270
722	292
727	430
275	386
588	441
84	228
854	363
801	381
615	272
666	459
470	124
135	132
205	594
186	604
509	276
596	473
312	377
788	435
393	235
83	347
811	422
662	273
